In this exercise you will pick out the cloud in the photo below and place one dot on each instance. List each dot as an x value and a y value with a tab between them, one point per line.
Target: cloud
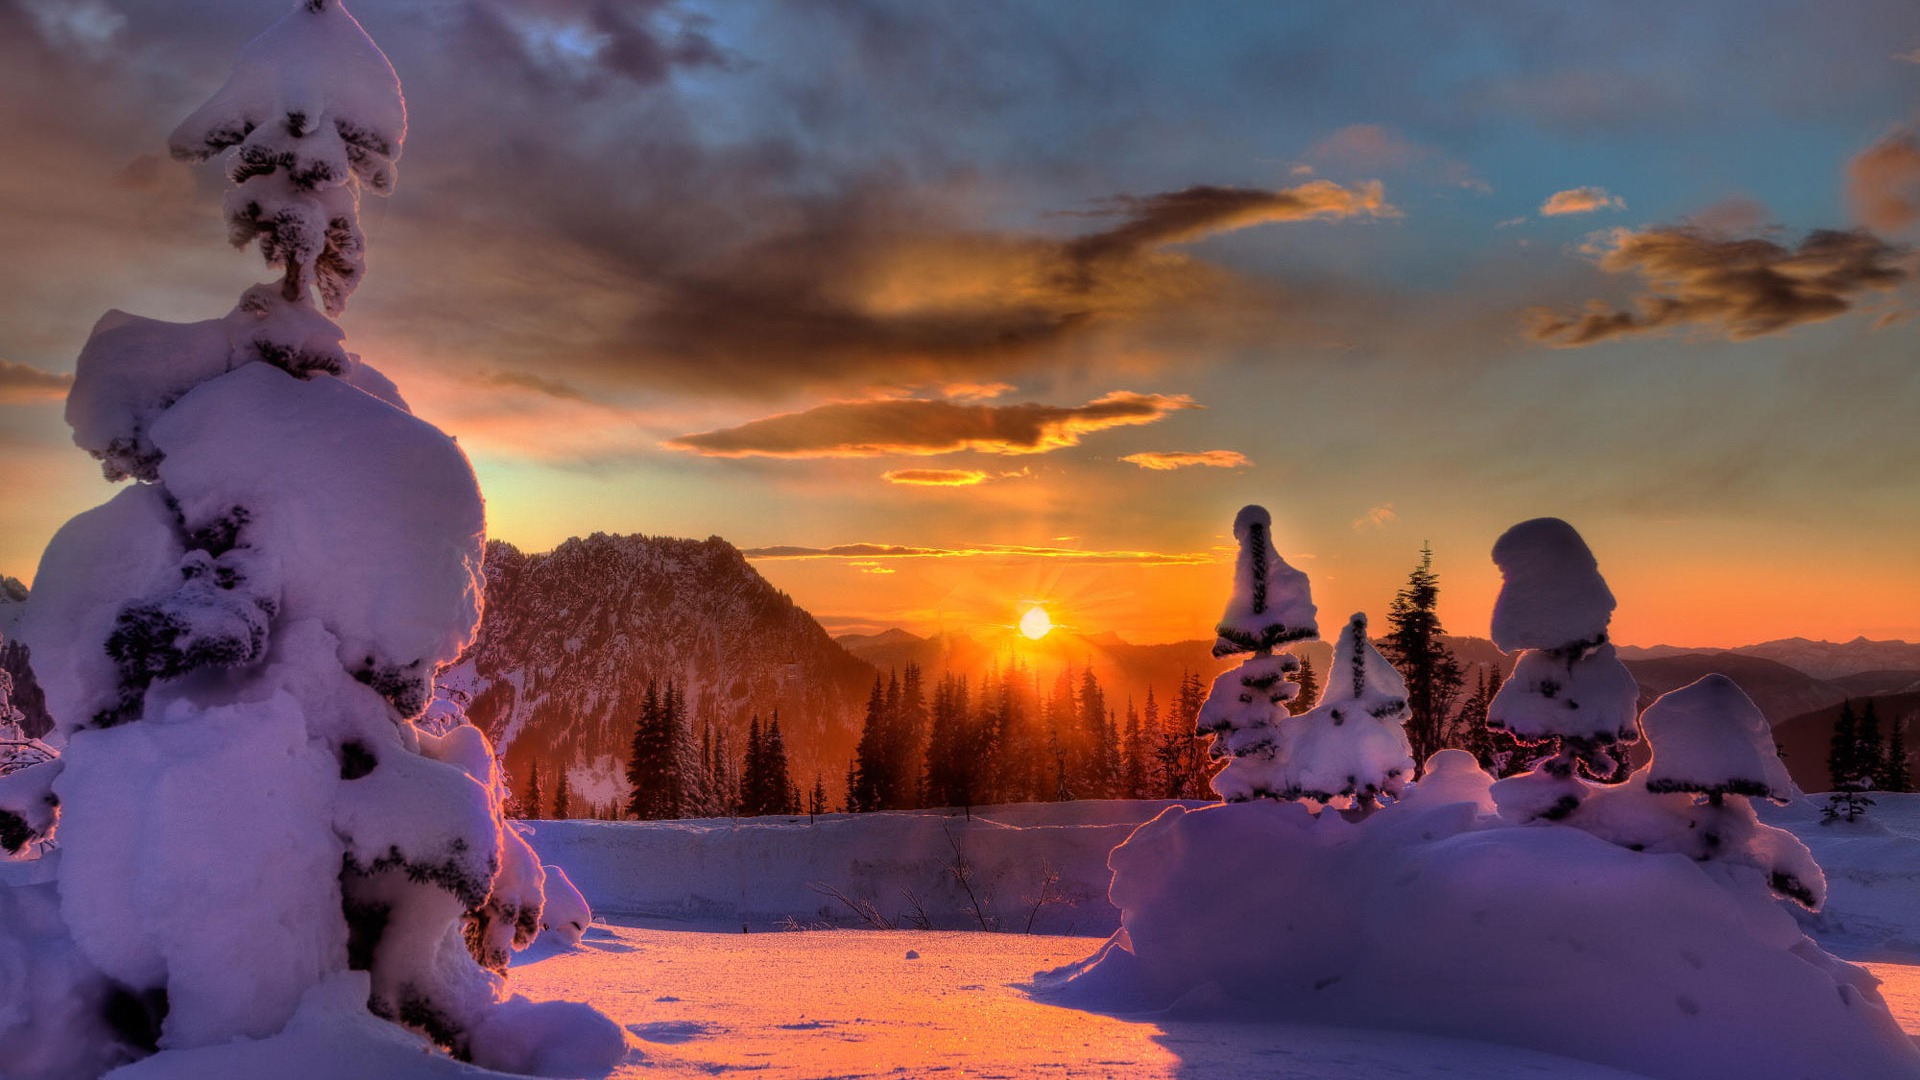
22	384
1373	148
937	477
1378	517
1180	459
1580	200
1883	182
870	567
919	427
868	552
1738	288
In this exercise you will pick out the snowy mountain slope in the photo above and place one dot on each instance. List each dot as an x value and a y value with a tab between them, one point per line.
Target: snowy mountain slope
570	637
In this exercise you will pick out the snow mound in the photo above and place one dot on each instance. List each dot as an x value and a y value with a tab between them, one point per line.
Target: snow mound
1552	693
1443	920
1554	593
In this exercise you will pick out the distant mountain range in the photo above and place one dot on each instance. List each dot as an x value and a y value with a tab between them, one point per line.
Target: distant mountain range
1820	659
570	638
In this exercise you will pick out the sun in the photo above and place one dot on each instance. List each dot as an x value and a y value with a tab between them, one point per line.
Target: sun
1036	623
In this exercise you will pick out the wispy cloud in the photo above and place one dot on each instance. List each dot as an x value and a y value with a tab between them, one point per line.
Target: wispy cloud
1378	517
919	427
1374	149
1581	200
1737	288
1883	182
936	477
866	553
23	383
1167	460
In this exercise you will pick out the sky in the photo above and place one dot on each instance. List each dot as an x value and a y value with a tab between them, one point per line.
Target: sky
941	309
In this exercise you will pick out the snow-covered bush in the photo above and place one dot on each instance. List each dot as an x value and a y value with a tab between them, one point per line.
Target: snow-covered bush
1271	605
1568	694
1713	752
235	648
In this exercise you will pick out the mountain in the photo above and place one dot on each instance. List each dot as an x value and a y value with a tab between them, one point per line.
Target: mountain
1820	659
1780	691
1804	739
569	639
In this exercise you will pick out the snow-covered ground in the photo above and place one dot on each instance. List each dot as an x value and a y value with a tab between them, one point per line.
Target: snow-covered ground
669	962
841	1003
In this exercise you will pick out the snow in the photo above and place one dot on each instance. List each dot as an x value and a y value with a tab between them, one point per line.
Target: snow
1587	696
325	475
100	561
1709	736
771	871
196	854
1354	742
1447	922
1553	594
1272	602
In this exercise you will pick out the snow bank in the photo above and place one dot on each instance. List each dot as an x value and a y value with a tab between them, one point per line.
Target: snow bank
769	871
1443	920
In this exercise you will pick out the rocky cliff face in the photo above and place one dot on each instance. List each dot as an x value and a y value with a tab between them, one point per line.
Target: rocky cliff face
570	638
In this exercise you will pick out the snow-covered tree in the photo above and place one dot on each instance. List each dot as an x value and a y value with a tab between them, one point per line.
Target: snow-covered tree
1354	742
1569	694
1271	606
1713	753
235	648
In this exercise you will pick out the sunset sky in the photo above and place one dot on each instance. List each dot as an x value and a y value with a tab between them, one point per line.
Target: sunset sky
935	308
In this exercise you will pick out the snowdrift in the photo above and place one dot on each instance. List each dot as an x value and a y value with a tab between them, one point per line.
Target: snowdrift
1442	919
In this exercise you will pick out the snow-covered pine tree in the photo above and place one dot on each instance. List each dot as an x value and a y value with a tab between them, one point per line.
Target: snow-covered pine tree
1354	742
1271	606
28	806
236	646
1569	694
1713	745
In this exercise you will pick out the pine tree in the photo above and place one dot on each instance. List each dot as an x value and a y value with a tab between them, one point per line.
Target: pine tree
1842	749
817	798
1413	644
535	797
907	753
1569	693
1309	682
1133	783
563	797
1898	775
867	779
753	771
778	794
654	765
1871	752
